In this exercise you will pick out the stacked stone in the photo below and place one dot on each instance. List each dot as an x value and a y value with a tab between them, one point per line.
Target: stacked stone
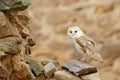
15	40
72	70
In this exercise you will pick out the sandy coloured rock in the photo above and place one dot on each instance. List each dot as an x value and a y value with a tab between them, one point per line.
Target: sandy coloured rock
93	76
65	75
45	62
49	70
9	45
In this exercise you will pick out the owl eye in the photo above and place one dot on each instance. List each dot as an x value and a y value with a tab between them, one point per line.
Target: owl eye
70	31
75	31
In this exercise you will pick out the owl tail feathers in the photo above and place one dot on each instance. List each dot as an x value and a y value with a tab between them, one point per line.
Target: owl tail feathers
99	57
96	56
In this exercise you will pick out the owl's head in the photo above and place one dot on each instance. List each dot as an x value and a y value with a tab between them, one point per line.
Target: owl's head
74	32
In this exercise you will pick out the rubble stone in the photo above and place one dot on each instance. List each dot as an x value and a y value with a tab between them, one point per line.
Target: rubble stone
45	62
4	74
6	28
9	45
49	70
23	74
35	67
116	66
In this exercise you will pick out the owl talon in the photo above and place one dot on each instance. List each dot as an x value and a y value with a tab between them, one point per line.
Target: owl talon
83	59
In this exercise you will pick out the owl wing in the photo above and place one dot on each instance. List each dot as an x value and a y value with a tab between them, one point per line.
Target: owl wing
90	40
75	44
86	41
89	44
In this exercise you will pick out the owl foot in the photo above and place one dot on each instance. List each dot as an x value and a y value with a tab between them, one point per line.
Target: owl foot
83	59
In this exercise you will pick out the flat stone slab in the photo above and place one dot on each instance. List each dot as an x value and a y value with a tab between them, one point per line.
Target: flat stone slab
79	67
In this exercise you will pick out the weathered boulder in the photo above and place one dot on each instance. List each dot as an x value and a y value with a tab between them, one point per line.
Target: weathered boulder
4	74
6	28
14	4
9	45
23	74
36	67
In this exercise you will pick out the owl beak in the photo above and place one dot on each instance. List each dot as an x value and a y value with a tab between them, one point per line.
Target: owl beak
73	35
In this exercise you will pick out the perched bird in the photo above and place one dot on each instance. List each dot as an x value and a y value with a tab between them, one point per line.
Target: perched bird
83	43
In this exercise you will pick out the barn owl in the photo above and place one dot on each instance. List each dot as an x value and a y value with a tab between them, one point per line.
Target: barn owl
83	44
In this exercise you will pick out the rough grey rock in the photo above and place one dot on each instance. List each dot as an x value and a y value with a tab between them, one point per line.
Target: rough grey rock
9	45
13	4
79	67
35	67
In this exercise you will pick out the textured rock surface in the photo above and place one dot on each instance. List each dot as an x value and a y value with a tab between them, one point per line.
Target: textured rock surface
94	76
4	73
45	62
6	28
13	4
35	67
23	74
79	67
64	75
49	70
9	45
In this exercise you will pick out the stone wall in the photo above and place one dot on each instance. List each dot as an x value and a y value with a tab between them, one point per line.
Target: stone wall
15	40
